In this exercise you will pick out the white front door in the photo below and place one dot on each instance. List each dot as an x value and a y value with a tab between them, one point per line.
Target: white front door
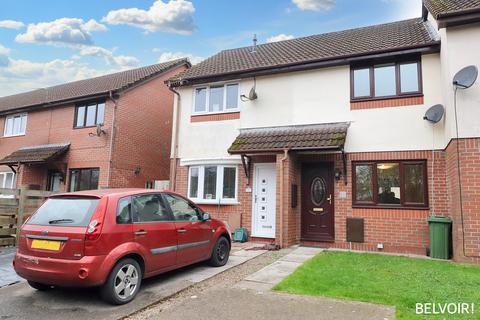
264	200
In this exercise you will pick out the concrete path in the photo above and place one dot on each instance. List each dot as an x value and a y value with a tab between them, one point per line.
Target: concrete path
21	302
7	274
247	304
252	298
269	276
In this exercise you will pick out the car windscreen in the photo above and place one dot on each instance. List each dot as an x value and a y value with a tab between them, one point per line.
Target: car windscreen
68	212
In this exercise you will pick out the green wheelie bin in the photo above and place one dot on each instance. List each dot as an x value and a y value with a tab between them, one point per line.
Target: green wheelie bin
440	235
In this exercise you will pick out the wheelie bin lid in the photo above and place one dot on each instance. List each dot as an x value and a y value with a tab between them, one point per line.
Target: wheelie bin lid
439	219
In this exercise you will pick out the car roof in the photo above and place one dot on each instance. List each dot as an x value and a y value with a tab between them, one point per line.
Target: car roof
120	192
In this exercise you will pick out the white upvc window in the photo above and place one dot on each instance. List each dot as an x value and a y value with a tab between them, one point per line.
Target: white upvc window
213	184
7	180
15	125
216	98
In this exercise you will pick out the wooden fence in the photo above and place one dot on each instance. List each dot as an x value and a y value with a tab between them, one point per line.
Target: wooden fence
15	206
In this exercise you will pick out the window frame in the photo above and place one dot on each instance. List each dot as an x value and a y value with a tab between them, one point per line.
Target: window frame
207	98
5	173
403	203
398	92
86	105
13	116
219	199
77	182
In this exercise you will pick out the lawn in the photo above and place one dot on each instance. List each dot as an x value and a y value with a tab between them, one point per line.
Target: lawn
383	279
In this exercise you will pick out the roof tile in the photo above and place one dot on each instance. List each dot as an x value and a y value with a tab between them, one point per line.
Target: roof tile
354	42
314	136
439	8
85	88
36	154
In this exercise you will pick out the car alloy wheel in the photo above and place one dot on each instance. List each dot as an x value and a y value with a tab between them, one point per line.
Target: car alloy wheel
126	281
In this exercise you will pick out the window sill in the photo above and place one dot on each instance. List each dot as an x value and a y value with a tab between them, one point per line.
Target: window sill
365	206
215	202
14	135
213	113
407	95
87	127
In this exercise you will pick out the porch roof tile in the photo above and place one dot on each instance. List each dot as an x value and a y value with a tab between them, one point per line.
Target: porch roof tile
297	137
35	154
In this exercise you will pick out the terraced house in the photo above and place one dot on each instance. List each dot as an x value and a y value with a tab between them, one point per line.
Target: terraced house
321	140
109	131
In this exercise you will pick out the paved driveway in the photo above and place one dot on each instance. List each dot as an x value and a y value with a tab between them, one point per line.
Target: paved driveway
21	302
7	274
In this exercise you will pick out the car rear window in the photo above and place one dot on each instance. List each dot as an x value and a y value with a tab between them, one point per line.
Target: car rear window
68	212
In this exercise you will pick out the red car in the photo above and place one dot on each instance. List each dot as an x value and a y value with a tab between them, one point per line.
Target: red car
114	238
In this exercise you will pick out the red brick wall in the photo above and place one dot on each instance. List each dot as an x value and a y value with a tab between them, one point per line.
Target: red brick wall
399	230
143	137
469	150
242	210
215	117
385	103
143	133
55	125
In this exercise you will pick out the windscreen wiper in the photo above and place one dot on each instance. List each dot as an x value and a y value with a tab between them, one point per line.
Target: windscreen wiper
60	221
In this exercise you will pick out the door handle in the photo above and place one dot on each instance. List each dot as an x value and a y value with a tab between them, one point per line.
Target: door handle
181	230
140	233
329	199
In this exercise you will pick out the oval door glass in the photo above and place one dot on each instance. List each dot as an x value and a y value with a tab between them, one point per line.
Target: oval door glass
318	191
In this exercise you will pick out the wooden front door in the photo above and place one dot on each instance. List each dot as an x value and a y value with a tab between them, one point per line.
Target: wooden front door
318	217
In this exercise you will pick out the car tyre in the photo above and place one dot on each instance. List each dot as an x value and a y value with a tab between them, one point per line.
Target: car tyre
220	253
123	282
39	286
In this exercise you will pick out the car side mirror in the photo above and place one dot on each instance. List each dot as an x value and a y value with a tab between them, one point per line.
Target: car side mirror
206	217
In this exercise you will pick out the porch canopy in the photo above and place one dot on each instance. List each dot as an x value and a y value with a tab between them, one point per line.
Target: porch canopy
35	154
312	137
325	136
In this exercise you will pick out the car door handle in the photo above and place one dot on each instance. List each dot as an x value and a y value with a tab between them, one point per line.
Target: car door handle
140	233
181	230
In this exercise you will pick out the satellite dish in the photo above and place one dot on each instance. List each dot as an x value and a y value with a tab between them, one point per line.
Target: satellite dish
434	114
252	95
466	77
99	130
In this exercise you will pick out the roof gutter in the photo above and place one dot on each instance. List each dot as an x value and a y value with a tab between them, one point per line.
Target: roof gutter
433	47
452	20
264	151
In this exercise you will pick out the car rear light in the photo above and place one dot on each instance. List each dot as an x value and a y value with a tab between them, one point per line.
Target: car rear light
94	228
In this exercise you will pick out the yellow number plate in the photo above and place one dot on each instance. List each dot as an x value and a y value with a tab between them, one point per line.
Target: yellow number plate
46	244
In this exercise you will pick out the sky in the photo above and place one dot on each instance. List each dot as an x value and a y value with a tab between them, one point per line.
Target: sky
49	42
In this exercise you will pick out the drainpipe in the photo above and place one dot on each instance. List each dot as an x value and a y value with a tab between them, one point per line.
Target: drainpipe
282	164
176	121
112	138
